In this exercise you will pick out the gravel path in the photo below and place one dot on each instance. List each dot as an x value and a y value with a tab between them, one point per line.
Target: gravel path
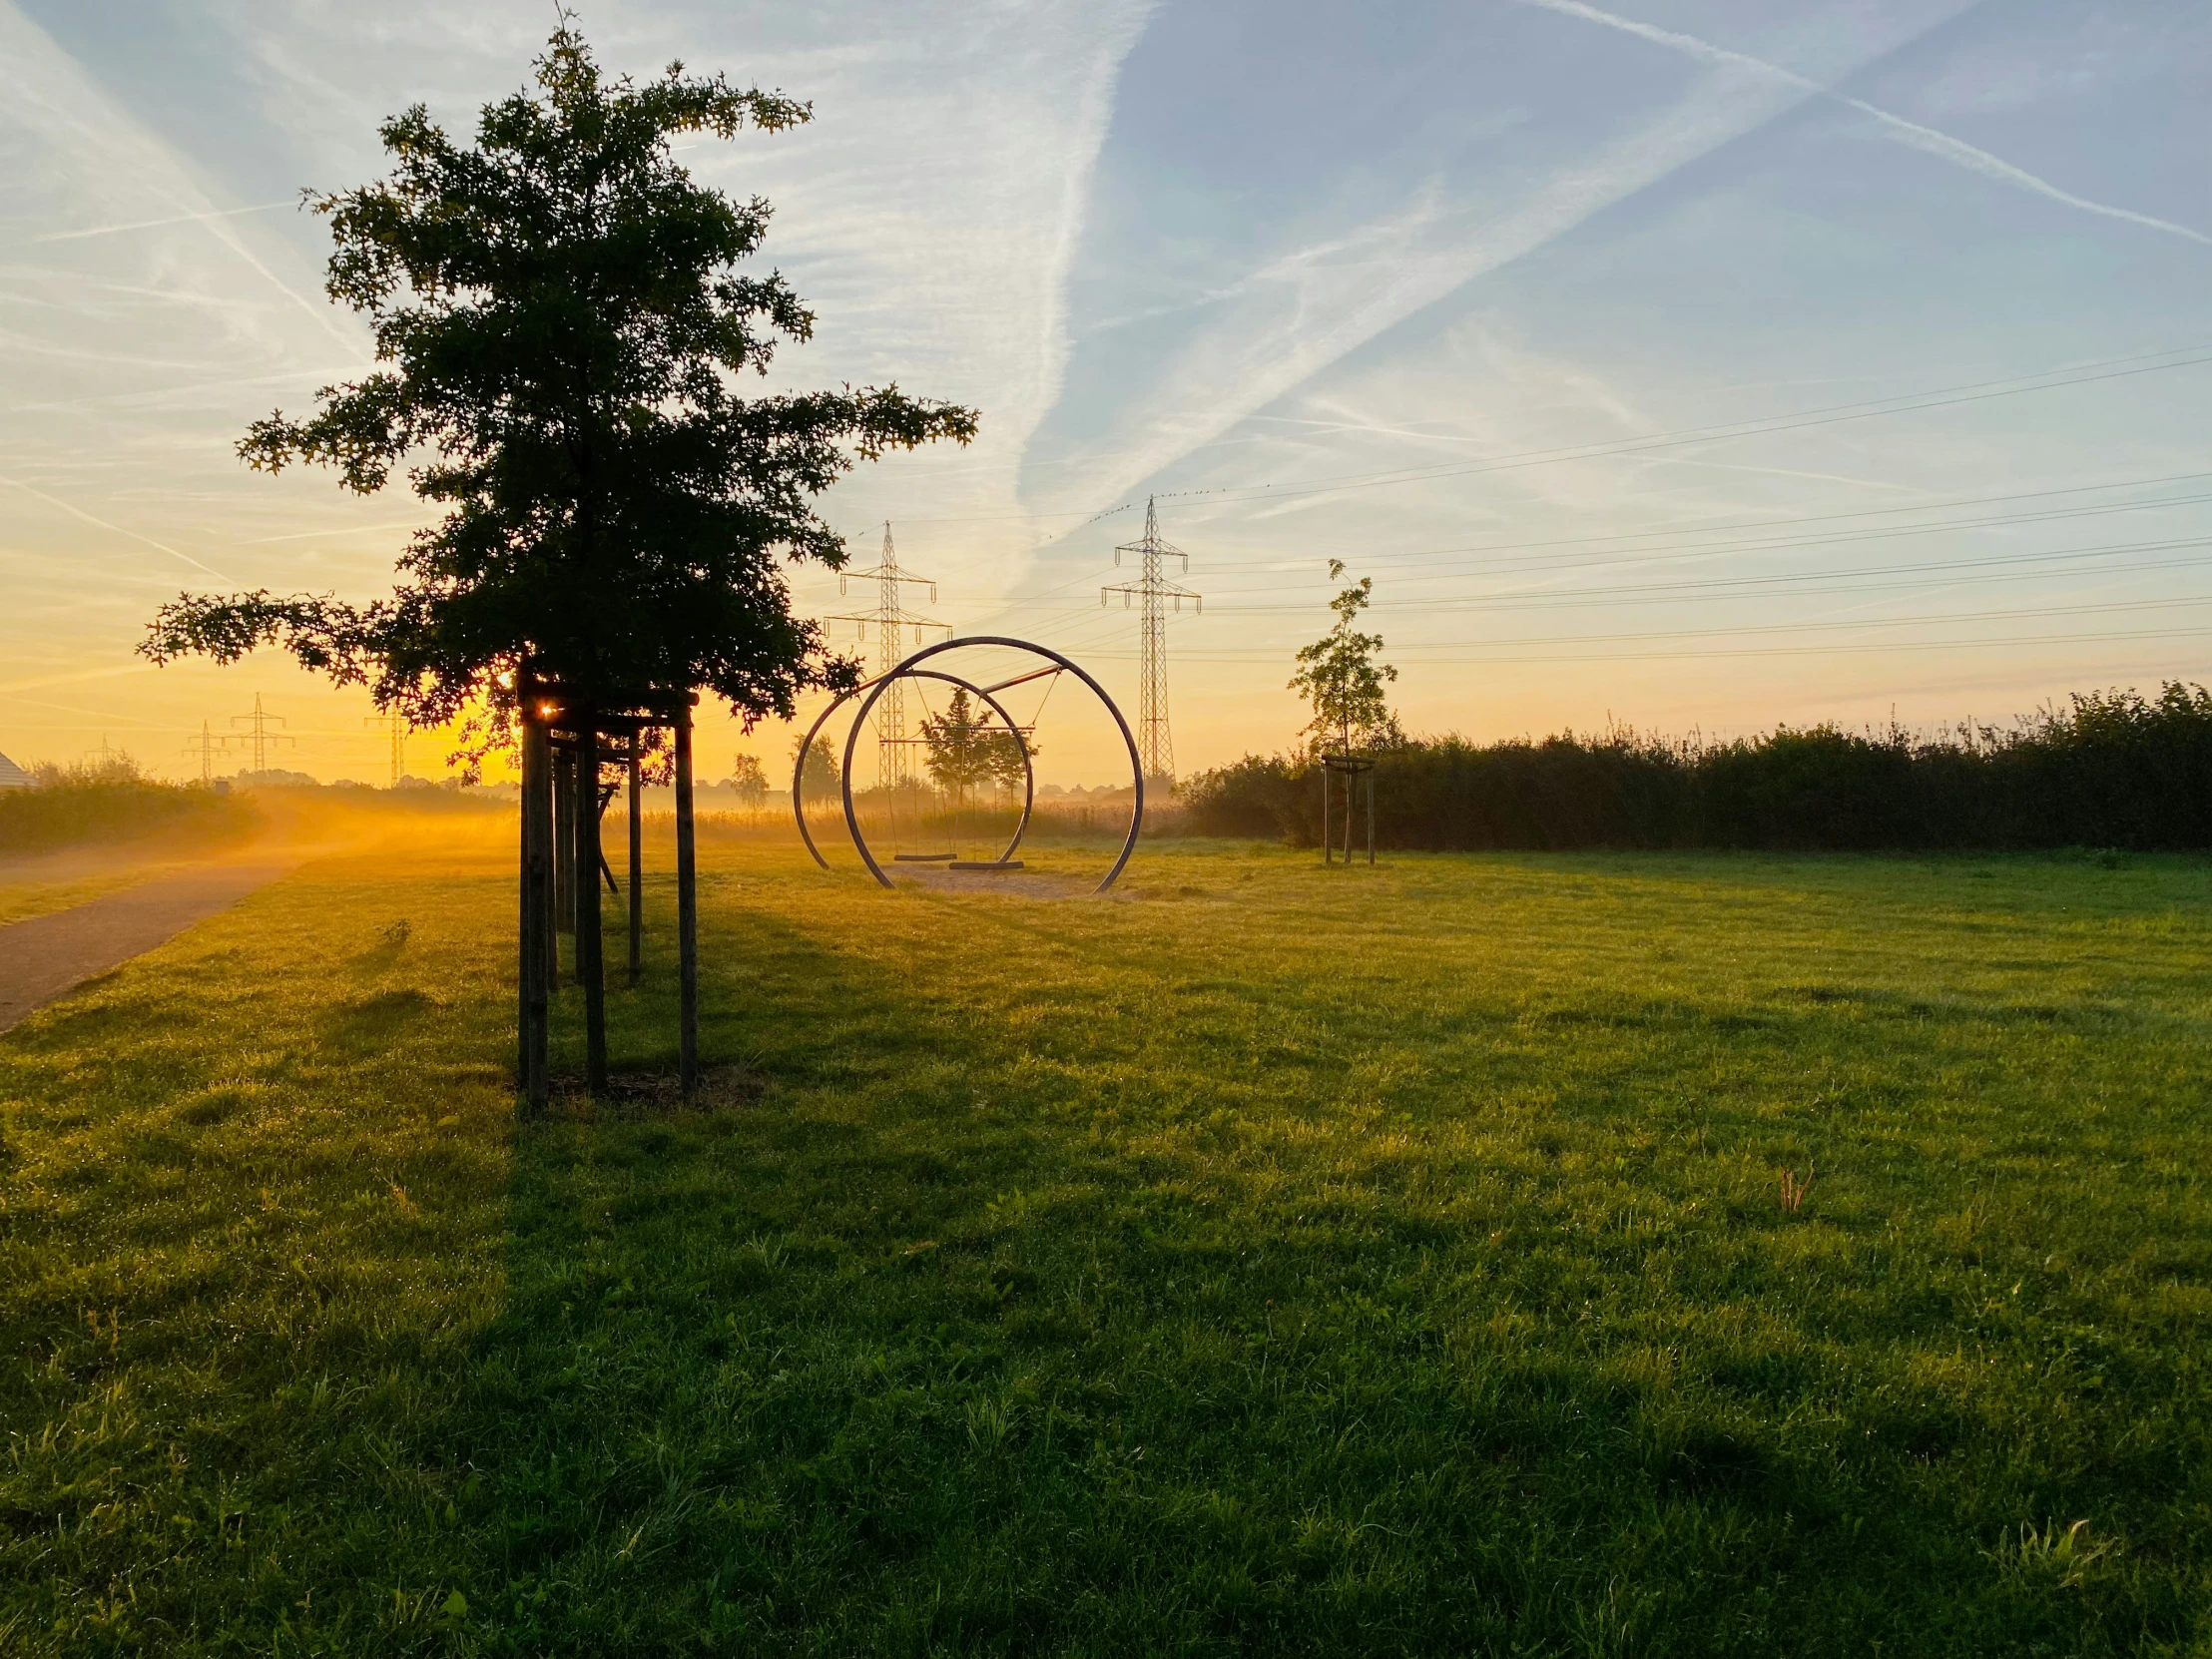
47	957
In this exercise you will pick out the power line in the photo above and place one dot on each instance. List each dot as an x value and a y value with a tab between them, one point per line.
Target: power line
1524	599
1832	414
1769	651
1039	599
1637	555
2009	615
1659	593
1977	392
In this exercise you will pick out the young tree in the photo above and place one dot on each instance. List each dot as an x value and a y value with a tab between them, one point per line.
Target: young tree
563	332
1339	677
750	779
965	749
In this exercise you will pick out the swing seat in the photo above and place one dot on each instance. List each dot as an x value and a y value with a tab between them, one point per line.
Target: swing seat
984	864
925	858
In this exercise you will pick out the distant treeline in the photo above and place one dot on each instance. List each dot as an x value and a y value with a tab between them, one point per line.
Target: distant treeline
2111	770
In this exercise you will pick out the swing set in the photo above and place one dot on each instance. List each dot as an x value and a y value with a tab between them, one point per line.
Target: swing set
918	843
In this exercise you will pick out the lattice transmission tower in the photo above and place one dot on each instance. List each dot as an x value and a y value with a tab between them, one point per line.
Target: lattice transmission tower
397	725
258	732
894	764
1155	745
205	748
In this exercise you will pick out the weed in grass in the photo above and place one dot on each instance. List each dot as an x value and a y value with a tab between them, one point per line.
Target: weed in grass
2049	1555
1794	1190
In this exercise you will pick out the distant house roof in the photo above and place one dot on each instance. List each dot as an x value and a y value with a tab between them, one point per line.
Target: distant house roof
13	776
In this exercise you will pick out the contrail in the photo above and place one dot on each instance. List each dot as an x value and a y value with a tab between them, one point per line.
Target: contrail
1995	166
1925	138
115	529
155	224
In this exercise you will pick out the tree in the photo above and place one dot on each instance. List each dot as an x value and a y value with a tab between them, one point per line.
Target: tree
750	779
1339	675
964	750
564	332
822	779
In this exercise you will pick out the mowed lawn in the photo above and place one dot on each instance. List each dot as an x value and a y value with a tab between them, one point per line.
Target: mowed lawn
1271	1260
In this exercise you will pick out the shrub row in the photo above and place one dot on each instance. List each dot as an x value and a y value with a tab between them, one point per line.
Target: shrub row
77	804
2112	768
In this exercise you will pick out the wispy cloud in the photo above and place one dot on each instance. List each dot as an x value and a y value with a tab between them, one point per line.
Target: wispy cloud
157	224
80	514
1910	132
1306	309
930	211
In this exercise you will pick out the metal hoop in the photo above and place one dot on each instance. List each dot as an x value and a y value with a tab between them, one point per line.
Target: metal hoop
913	664
799	767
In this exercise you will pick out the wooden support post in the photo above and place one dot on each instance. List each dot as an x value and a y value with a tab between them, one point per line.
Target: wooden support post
1328	848
1351	795
537	915
637	867
687	910
1370	815
589	963
564	849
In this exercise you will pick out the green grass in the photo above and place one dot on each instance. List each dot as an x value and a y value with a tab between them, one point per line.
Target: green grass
1277	1262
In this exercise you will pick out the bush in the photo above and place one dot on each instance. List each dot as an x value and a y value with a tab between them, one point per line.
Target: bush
111	801
2112	768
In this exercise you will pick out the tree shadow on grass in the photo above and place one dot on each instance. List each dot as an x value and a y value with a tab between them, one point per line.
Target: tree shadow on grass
910	1356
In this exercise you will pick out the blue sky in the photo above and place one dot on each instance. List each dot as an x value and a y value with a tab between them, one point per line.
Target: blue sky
1692	364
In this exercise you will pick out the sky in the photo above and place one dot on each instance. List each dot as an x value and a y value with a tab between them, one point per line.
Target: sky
1697	365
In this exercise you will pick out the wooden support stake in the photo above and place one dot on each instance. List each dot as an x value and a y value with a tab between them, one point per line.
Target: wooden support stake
554	922
589	962
687	910
1370	815
1328	848
564	843
537	915
637	869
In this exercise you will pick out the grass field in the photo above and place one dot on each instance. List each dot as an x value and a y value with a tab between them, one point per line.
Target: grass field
1274	1261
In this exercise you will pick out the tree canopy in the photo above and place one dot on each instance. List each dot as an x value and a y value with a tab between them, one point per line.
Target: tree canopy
1342	683
965	748
749	778
823	779
561	331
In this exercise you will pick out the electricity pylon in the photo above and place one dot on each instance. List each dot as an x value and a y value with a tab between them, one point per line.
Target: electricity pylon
894	766
397	725
1155	745
261	737
207	746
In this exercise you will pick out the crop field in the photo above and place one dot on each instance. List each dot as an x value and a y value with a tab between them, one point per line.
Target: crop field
1481	1254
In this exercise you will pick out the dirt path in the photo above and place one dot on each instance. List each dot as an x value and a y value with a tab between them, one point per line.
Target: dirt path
47	957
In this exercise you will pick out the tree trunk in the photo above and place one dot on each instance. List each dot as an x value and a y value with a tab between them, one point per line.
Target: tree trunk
637	867
589	967
537	915
687	910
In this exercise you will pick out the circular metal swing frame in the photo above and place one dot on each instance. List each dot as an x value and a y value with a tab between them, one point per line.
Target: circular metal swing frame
911	669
